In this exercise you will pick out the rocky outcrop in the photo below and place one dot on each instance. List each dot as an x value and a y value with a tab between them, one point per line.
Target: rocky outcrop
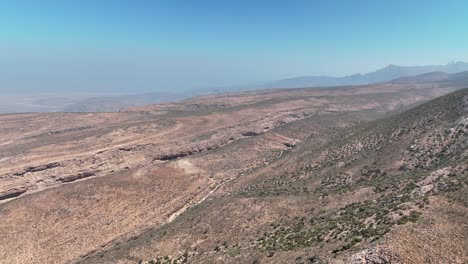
174	156
181	154
71	178
12	193
38	168
250	134
375	255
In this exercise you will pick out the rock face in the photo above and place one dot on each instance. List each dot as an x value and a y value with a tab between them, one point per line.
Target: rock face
427	188
71	178
375	255
250	134
12	193
38	168
173	156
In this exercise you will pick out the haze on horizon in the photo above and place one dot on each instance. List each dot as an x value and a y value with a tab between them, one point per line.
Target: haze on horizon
149	46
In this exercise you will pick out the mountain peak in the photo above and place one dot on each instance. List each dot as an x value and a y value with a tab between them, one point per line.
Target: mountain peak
386	74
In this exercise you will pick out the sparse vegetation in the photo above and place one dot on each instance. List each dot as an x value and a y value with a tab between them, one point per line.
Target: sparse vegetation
248	198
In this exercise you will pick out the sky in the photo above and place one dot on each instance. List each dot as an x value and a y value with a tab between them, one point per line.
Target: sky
133	46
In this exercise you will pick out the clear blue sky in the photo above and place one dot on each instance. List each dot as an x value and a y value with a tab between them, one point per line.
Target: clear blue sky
139	45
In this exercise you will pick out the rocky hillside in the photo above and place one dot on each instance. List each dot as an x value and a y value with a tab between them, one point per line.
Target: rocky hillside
387	191
272	176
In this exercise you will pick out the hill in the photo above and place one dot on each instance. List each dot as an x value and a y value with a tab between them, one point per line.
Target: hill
263	176
386	74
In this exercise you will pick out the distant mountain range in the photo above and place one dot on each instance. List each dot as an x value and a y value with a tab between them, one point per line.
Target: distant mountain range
116	103
389	73
455	79
113	103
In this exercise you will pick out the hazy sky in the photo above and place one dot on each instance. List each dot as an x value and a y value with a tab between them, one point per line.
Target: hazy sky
139	45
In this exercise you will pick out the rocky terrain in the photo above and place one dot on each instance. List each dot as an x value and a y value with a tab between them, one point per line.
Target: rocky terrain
336	175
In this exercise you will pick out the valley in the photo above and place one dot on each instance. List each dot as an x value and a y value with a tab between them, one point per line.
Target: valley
312	175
